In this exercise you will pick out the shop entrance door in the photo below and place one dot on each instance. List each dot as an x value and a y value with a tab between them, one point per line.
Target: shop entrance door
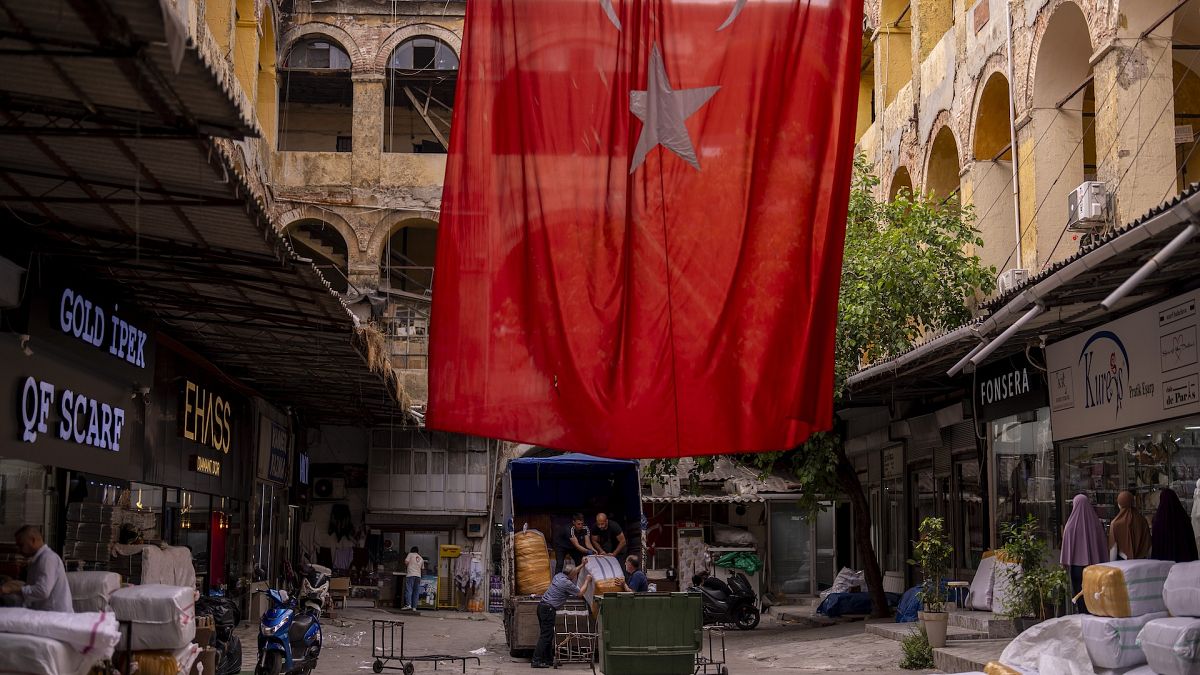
826	546
791	549
427	543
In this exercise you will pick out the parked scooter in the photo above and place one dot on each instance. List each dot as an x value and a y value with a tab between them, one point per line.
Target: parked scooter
289	635
732	603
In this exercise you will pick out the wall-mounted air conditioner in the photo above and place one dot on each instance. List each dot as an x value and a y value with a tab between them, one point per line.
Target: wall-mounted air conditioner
1008	280
329	489
1087	207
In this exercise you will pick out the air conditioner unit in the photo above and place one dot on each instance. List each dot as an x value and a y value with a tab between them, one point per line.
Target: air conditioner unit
1087	207
476	526
329	489
1010	280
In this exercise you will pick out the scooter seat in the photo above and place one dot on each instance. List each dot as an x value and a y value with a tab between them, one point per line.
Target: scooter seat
300	626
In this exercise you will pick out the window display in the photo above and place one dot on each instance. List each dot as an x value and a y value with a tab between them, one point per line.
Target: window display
1025	462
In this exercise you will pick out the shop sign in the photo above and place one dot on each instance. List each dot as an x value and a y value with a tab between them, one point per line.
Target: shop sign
1141	368
85	320
206	465
206	417
1010	386
278	461
82	419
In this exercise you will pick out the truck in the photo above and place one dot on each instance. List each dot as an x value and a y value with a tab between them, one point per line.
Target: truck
543	493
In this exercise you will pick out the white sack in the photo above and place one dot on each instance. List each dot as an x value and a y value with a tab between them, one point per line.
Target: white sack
1140	670
164	617
1001	585
725	535
1181	592
1061	638
90	634
1172	646
170	566
36	655
980	596
1112	643
90	590
844	581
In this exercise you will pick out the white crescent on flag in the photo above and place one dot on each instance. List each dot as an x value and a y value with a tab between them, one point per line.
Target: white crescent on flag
738	5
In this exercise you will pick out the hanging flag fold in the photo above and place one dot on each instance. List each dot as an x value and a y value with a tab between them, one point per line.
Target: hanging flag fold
642	224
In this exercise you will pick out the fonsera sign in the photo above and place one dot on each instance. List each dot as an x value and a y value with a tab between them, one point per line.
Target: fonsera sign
1010	386
1141	368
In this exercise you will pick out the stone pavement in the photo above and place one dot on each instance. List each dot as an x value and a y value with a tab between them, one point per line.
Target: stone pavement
838	649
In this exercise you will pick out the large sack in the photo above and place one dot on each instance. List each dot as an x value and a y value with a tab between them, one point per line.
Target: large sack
533	562
726	535
1001	584
997	668
90	634
980	596
1181	592
90	590
1058	641
168	661
1112	642
170	566
37	655
607	573
164	617
1172	646
1126	587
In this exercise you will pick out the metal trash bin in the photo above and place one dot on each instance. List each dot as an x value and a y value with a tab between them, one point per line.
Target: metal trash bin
650	633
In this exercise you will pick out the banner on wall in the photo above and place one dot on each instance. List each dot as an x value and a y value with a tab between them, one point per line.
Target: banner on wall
1141	368
274	449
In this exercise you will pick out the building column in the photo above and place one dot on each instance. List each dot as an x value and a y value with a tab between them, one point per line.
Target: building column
245	56
987	185
1135	124
367	129
1046	177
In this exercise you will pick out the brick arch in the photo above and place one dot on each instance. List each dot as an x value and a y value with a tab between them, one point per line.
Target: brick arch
388	226
355	243
1029	90
358	61
416	30
942	125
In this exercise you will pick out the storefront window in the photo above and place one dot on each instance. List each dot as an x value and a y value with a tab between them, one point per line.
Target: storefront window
1143	460
23	501
1025	471
895	543
189	514
94	518
969	545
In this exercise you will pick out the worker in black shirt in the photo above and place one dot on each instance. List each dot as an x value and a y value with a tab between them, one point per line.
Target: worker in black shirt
607	539
573	542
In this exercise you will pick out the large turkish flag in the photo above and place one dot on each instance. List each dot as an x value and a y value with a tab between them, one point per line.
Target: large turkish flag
641	232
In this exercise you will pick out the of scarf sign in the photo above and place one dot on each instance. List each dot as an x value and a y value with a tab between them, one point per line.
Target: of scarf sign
641	234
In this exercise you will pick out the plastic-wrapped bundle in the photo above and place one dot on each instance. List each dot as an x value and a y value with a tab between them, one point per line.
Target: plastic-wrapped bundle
1181	592
607	573
163	617
1172	646
1126	587
1112	642
90	590
533	562
91	634
167	662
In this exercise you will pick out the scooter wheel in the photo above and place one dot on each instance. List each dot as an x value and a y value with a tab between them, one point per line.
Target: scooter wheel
377	666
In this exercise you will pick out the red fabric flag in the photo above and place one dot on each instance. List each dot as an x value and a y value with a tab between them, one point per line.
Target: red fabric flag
642	224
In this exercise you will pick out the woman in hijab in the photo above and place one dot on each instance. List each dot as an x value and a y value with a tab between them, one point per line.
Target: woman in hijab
1083	543
1129	532
1172	537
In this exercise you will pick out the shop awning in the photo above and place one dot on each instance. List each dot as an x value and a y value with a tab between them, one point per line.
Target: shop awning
107	108
1070	294
705	499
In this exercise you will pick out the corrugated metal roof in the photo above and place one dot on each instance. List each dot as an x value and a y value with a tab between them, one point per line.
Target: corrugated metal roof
705	499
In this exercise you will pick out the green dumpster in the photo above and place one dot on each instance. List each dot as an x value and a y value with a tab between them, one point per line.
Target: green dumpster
649	633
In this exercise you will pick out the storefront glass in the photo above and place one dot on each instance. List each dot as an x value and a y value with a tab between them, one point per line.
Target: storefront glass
24	500
791	549
1143	460
894	540
1025	471
970	541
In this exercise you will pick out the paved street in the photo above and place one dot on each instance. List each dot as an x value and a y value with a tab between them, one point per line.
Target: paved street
832	650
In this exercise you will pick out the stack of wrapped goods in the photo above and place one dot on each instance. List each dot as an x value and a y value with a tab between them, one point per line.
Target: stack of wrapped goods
90	591
127	560
159	623
1123	597
533	562
607	573
34	642
89	536
1172	645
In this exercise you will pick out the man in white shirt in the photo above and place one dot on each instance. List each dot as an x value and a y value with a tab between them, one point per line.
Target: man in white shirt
413	565
47	589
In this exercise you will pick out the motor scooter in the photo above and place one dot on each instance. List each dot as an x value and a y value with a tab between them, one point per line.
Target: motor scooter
732	603
289	634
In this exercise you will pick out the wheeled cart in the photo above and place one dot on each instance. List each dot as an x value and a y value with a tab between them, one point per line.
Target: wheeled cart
384	645
711	658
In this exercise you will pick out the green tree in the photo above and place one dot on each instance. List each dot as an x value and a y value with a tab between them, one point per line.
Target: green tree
907	271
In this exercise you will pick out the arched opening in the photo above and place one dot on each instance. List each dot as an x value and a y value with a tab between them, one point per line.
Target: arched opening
419	96
894	42
325	246
934	21
406	263
991	175
268	88
942	174
866	90
1063	129
901	183
1186	85
316	97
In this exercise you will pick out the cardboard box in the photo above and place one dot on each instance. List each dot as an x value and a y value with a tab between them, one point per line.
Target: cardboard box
204	635
206	664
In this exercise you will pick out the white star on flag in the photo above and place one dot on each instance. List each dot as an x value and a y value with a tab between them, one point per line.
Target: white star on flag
663	112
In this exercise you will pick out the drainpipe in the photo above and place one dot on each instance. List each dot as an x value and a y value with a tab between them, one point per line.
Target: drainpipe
1012	133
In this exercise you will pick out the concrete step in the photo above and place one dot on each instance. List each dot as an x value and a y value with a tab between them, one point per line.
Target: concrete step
899	631
991	625
970	656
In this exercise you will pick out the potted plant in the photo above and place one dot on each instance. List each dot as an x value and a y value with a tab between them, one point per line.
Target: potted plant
1035	590
931	554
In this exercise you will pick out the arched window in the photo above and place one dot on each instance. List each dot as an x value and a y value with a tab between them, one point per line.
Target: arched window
421	77
941	176
316	97
325	246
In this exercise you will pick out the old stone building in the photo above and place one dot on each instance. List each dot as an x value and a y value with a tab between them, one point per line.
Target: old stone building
1091	90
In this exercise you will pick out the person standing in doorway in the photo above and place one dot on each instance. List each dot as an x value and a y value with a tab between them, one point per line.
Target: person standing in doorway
1084	544
562	588
413	565
47	589
608	539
